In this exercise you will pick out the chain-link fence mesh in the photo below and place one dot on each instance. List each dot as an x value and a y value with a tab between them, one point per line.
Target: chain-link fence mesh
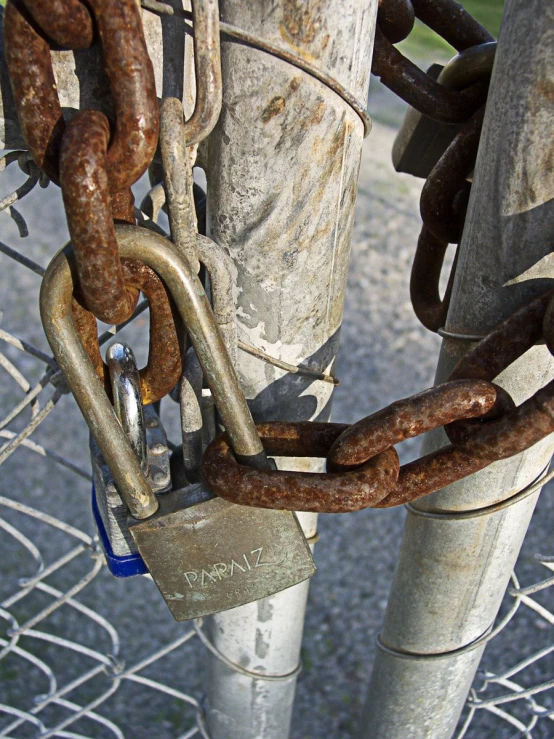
62	661
65	669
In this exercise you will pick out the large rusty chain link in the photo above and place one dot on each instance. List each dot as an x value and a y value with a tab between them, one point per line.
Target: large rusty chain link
95	160
479	417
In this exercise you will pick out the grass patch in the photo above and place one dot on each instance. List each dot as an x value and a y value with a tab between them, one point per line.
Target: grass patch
424	45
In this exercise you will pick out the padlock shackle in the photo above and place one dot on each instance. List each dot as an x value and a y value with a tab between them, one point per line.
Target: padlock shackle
56	295
190	298
127	398
197	315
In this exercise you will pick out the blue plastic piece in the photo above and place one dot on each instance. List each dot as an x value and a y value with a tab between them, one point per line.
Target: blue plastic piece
121	566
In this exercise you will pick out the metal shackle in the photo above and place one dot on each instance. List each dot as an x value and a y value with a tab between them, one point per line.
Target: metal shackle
193	305
127	398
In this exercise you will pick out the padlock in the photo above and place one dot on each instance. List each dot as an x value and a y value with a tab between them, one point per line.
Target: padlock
148	439
204	554
421	141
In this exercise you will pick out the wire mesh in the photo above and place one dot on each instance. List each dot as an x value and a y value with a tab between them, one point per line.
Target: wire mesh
516	698
61	660
66	670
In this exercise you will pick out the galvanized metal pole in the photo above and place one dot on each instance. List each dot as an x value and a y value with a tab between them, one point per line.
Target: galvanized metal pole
460	544
282	177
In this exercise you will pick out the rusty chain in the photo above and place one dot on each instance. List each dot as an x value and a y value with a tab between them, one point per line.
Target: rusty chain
93	159
480	418
96	161
363	468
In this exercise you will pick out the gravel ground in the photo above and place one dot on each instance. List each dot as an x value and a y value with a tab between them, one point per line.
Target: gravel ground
385	355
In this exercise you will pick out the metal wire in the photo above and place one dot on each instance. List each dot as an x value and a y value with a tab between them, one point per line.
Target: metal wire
72	703
513	695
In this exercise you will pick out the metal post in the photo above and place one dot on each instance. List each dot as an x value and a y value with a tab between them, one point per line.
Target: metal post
282	177
460	544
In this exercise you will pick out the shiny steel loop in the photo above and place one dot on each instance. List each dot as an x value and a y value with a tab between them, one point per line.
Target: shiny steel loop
127	400
469	66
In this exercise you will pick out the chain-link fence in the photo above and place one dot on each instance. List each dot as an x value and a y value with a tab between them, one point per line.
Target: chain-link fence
65	669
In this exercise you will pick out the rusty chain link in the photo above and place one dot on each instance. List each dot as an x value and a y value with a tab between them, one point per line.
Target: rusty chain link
362	469
447	18
94	160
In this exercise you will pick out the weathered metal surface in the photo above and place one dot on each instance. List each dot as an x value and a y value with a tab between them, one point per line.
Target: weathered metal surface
162	371
207	555
302	491
427	303
351	451
222	272
460	544
88	207
451	20
123	206
56	304
441	210
67	23
435	690
410	417
282	174
506	342
178	180
238	701
207	67
34	88
193	306
129	70
285	141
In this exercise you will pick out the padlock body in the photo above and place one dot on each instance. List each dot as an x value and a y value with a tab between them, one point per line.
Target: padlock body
421	141
110	512
207	555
